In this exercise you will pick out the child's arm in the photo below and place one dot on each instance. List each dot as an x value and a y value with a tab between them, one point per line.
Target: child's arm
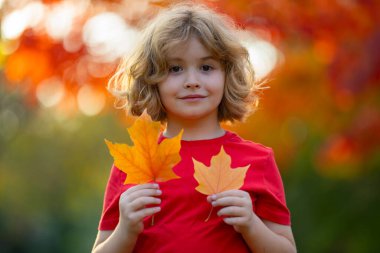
133	210
260	235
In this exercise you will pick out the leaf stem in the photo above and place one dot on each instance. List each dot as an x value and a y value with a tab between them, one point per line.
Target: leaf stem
152	221
209	215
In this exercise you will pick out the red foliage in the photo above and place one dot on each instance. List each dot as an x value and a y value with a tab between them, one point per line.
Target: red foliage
331	68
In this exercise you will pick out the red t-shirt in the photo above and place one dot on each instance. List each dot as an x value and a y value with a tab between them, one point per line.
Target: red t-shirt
180	225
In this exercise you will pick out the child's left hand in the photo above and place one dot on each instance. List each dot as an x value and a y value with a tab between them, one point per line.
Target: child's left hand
236	207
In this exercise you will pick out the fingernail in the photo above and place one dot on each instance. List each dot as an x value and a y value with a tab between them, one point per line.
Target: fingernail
213	203
213	197
159	192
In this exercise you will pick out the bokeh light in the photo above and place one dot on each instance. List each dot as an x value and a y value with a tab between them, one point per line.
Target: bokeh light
264	57
90	101
108	37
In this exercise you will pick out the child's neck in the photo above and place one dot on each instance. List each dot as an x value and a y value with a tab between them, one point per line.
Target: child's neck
194	129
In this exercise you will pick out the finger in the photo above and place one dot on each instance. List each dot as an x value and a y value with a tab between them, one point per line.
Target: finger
230	193
229	201
142	186
235	220
232	211
140	203
144	193
141	214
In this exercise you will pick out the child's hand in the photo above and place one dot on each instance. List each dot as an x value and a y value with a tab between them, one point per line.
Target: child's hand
133	206
236	207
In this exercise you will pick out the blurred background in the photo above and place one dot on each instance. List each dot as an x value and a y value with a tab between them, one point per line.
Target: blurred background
321	114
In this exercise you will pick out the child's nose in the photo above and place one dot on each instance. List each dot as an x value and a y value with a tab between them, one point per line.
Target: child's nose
191	80
191	85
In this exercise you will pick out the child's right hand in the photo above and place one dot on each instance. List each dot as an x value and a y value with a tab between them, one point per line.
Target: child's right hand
133	206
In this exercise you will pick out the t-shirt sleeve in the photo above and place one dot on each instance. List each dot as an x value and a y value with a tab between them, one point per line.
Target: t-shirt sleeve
270	201
110	214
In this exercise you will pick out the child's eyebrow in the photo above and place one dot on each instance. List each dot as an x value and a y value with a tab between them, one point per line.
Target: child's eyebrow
209	57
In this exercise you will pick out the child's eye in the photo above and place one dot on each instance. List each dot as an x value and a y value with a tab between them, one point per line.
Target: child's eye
175	69
206	68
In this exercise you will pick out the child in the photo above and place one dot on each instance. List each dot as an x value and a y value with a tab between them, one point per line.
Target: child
190	72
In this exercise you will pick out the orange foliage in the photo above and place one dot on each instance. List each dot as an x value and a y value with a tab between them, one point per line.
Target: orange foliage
331	64
147	160
28	65
219	176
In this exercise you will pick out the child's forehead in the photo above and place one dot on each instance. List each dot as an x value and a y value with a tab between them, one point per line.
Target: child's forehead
193	46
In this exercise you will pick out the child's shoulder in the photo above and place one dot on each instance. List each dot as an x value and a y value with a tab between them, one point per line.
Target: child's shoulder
241	145
245	152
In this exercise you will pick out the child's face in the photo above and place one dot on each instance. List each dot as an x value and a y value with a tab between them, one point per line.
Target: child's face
194	86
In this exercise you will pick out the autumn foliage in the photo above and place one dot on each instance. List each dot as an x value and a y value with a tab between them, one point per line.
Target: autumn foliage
147	160
219	176
327	65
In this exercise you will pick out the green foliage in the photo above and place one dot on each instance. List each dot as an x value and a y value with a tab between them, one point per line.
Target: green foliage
333	215
52	178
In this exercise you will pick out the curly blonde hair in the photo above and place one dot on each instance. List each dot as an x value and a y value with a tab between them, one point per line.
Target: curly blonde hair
135	82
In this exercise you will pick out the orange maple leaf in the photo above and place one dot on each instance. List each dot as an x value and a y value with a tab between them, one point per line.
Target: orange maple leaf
147	160
219	176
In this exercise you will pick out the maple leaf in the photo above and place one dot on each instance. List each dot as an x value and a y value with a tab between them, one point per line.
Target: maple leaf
219	176
146	160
